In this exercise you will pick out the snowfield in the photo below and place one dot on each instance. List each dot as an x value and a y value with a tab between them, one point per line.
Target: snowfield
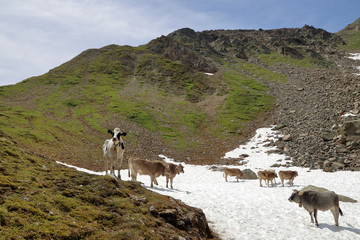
244	210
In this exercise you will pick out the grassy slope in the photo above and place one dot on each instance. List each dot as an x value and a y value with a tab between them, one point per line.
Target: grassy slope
75	103
351	34
40	199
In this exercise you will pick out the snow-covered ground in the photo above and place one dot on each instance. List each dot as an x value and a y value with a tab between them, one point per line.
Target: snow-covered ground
355	56
244	210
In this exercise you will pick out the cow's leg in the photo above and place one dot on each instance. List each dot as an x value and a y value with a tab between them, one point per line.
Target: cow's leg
112	166
171	183
118	167
106	165
155	181
120	162
311	217
133	176
282	181
315	216
152	179
167	181
335	213
260	182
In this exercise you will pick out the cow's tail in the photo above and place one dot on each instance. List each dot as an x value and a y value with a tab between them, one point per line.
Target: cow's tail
341	212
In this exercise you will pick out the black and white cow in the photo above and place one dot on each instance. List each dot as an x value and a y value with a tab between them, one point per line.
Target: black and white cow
314	200
114	151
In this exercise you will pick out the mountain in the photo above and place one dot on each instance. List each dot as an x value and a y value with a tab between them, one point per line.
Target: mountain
191	96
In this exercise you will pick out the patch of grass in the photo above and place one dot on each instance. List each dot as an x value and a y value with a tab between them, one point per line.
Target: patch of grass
261	73
352	41
274	58
135	112
246	100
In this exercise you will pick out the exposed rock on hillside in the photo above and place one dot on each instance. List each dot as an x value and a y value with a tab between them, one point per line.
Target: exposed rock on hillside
311	110
296	42
177	52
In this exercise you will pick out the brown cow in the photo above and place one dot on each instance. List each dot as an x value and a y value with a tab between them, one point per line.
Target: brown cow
267	176
145	167
288	175
173	170
233	172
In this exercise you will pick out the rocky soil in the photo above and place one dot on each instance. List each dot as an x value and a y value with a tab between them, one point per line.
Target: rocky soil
312	114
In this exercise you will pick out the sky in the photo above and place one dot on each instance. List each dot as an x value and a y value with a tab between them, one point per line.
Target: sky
38	35
245	211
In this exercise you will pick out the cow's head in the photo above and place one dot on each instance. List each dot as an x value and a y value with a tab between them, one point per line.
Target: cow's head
179	169
116	135
296	197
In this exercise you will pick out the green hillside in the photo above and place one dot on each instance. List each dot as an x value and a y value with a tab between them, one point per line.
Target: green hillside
191	96
351	34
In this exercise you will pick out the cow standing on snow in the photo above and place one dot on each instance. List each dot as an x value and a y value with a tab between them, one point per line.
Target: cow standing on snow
153	169
288	175
233	172
173	170
114	151
268	176
313	201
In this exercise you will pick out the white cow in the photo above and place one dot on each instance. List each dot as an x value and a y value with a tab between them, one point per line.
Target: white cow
114	151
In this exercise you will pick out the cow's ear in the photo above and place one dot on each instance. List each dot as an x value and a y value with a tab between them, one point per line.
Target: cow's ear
111	132
123	133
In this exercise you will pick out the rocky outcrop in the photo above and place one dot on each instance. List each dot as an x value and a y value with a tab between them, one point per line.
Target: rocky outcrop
313	114
298	43
176	51
189	219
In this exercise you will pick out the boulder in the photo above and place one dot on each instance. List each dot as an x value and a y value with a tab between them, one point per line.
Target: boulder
249	174
351	128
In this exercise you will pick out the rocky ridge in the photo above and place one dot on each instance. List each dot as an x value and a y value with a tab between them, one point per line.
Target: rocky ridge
318	116
312	105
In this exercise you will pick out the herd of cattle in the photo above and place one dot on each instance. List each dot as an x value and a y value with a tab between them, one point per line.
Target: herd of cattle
312	201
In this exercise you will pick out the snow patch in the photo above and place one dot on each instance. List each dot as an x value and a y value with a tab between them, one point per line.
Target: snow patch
355	56
244	210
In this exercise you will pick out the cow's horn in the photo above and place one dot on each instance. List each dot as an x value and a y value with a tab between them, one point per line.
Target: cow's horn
301	193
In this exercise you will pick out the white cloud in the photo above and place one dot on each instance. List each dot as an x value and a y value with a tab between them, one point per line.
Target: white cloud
43	34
